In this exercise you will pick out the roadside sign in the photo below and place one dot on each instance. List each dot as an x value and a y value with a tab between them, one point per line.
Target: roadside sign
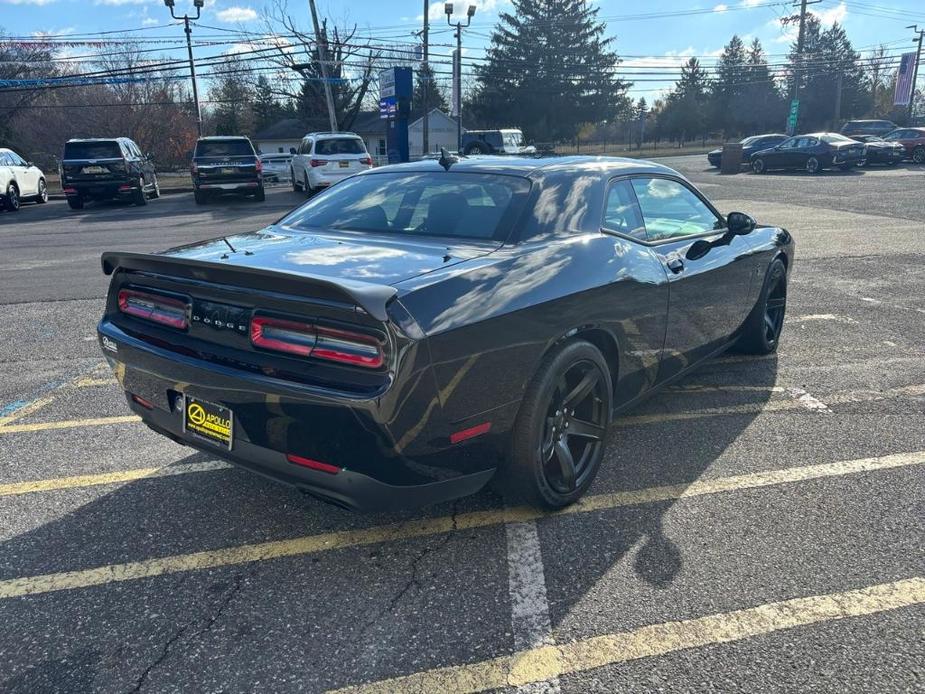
903	93
794	115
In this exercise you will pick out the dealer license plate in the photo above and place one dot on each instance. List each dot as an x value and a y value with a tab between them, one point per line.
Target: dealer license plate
344	164
208	421
93	170
229	171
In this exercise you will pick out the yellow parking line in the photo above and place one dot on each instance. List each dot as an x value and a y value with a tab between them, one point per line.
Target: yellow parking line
47	485
548	662
89	382
25	411
68	424
309	544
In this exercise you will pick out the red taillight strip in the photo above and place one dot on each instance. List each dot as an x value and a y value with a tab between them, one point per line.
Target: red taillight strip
154	308
313	464
348	348
283	335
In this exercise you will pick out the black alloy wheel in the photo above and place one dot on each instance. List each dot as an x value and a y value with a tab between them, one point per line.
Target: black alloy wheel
574	429
760	333
560	432
812	165
918	155
758	165
12	197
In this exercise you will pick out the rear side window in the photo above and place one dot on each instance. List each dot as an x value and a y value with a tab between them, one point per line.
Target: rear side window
622	213
340	145
92	150
671	210
474	206
224	148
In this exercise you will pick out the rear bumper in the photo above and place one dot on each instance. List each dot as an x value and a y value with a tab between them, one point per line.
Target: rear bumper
231	187
100	191
273	418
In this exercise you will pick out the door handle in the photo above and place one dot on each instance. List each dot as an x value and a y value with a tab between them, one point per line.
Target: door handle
675	264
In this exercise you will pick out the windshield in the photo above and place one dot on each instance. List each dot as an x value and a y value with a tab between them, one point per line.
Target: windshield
750	140
92	150
834	138
467	205
513	139
340	145
224	148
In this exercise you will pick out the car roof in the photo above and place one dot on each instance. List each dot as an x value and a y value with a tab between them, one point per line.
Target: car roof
533	166
99	139
329	134
219	138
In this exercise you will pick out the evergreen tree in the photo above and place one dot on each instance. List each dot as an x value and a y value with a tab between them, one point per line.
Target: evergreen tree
763	108
435	96
686	108
234	97
548	70
267	109
729	88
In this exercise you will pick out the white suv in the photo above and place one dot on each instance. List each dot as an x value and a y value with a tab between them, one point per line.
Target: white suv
19	179
326	158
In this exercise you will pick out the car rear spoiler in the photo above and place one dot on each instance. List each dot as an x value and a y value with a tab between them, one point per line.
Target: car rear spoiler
372	298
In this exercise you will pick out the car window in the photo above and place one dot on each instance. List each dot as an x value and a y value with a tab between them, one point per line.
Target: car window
5	159
622	213
671	210
789	144
476	206
92	150
835	138
339	145
224	148
16	159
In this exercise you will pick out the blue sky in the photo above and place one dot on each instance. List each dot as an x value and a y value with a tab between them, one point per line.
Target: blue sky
646	36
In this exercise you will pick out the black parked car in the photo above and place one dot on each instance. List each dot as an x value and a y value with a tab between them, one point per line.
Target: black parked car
812	153
750	145
504	141
226	165
867	127
409	333
879	151
107	169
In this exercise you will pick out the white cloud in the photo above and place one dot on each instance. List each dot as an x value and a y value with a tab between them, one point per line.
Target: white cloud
120	2
671	59
29	2
149	22
53	32
831	15
237	14
828	17
752	3
721	8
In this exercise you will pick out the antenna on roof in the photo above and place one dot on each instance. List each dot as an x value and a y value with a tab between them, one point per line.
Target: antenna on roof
446	159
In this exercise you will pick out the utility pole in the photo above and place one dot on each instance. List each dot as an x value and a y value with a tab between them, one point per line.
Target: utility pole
457	72
795	91
838	85
189	49
425	96
915	70
321	42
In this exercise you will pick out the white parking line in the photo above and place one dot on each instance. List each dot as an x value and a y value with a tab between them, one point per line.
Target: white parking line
806	400
530	624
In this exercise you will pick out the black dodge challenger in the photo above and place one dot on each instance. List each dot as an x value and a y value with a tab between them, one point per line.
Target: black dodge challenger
419	329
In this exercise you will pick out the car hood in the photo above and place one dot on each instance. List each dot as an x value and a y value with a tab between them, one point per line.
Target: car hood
376	259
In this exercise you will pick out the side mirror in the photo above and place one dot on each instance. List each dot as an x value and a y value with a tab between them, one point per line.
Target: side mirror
150	156
739	223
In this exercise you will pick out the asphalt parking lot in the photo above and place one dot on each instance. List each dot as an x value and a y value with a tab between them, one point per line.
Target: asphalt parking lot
757	527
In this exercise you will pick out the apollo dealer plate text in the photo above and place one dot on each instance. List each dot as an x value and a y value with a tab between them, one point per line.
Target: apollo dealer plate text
208	421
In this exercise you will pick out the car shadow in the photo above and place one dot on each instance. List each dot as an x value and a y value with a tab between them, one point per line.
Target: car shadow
189	513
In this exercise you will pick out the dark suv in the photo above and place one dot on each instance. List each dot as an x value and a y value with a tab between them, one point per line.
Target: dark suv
867	127
107	169
505	141
226	165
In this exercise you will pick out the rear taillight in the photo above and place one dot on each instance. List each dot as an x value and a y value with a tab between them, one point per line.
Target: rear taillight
317	162
368	161
193	168
154	308
320	342
259	166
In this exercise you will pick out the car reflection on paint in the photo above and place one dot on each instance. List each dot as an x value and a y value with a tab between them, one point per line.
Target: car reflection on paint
417	330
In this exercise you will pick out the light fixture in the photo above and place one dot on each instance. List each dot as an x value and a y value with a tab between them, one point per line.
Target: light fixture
448	8
471	11
168	3
198	3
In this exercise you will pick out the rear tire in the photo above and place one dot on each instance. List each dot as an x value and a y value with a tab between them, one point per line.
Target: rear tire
758	166
560	432
296	186
42	196
918	155
199	197
156	193
476	148
760	333
260	195
75	203
812	166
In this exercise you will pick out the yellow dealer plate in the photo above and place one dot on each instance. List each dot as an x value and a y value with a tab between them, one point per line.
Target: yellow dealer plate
208	421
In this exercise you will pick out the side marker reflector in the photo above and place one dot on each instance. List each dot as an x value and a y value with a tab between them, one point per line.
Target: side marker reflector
471	432
313	464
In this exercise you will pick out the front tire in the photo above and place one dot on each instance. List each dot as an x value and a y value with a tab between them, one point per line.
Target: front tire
42	196
758	166
561	429
156	192
260	195
761	331
296	186
140	197
918	155
12	201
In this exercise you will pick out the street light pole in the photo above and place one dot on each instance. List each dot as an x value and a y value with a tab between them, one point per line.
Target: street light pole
189	49
321	41
425	126
915	70
457	73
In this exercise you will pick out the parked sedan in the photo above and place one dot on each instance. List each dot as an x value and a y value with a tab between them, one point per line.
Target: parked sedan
415	330
20	180
879	151
750	145
811	153
912	140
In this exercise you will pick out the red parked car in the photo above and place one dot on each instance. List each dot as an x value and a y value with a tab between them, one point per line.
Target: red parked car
912	139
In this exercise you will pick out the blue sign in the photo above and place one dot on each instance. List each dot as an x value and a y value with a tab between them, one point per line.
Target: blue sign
388	107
